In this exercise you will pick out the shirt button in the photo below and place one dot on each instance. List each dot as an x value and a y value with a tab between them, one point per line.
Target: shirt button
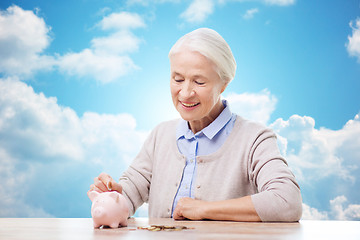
198	186
176	184
192	160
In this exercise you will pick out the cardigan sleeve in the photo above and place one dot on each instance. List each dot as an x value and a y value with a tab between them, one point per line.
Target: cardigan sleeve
136	180
278	197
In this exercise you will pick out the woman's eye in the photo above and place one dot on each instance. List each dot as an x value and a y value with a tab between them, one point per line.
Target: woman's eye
199	83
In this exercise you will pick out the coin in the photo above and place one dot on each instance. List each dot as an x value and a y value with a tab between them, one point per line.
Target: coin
156	228
109	186
169	227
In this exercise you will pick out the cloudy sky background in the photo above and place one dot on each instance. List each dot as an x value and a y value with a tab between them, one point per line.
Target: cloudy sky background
82	83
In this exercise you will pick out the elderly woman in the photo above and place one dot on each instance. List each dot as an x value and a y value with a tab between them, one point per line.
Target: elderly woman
211	164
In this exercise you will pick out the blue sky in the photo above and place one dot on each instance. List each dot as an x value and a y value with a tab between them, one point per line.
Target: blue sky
83	82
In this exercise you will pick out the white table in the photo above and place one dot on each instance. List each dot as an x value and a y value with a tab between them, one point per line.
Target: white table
82	228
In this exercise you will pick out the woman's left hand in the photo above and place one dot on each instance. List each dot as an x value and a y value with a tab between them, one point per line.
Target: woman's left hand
188	208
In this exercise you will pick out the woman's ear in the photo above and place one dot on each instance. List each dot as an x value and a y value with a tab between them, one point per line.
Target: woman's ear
224	87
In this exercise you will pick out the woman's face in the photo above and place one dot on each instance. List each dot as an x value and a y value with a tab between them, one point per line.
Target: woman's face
195	86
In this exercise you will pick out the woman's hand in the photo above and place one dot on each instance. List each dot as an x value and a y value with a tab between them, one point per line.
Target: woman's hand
188	208
239	209
105	183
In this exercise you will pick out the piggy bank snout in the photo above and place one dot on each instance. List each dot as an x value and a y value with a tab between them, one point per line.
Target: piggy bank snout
98	212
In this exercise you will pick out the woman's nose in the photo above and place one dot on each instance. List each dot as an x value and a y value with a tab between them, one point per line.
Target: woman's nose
187	91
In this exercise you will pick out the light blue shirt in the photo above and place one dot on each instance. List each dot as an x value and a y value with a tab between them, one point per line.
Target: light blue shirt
205	142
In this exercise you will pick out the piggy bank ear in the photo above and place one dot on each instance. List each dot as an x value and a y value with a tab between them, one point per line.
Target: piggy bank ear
92	195
115	196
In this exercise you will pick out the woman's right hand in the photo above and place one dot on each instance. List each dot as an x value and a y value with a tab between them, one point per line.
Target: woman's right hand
105	183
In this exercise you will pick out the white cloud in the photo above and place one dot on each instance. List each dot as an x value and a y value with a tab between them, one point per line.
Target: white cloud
198	11
108	57
325	162
110	138
341	212
115	44
250	13
104	68
316	154
353	46
11	202
35	122
121	21
44	143
23	38
310	213
254	106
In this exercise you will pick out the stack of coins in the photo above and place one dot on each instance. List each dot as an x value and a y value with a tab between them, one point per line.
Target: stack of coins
156	228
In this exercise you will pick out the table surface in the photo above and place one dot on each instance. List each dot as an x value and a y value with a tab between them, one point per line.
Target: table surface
82	228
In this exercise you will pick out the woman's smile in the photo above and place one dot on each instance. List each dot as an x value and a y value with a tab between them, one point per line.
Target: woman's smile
189	105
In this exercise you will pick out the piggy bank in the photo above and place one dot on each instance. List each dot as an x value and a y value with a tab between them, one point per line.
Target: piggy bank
108	209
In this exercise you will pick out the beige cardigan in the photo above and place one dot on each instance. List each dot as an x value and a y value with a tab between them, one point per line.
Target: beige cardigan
248	163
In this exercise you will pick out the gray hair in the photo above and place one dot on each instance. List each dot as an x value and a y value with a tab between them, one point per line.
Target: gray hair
212	45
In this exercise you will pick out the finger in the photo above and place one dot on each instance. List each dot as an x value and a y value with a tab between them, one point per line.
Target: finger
177	215
114	186
100	185
180	218
94	188
106	179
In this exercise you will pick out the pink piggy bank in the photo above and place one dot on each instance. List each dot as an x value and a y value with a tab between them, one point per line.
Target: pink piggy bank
108	209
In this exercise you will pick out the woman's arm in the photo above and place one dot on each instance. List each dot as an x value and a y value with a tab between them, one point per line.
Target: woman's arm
278	196
240	209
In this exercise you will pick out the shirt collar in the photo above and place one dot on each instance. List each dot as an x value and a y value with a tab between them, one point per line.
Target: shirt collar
210	131
183	130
